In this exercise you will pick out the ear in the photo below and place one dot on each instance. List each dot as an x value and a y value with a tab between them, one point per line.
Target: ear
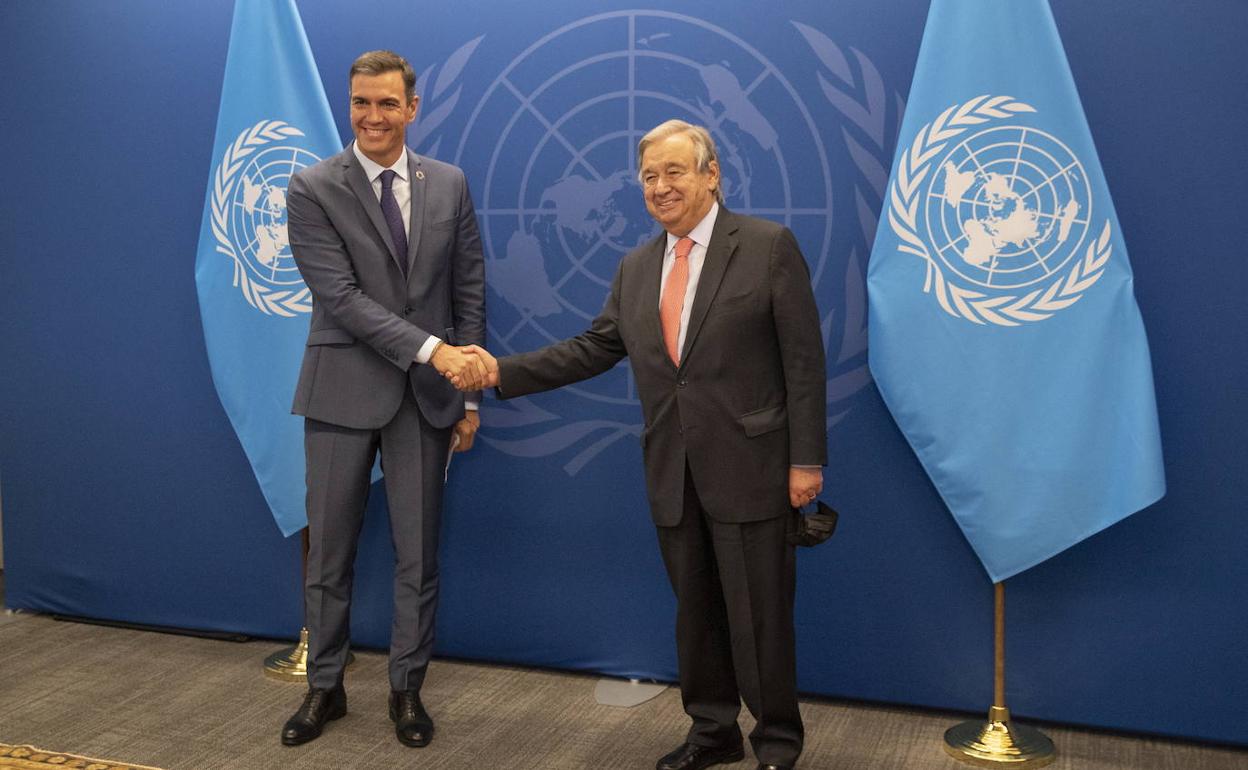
411	108
712	171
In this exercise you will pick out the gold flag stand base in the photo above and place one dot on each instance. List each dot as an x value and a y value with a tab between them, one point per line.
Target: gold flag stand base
290	664
998	742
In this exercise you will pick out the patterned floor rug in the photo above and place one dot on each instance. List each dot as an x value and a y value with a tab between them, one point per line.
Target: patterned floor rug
31	758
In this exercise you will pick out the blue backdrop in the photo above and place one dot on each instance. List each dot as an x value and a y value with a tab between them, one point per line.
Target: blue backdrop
127	496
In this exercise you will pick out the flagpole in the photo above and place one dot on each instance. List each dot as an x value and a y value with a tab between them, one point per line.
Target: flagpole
998	741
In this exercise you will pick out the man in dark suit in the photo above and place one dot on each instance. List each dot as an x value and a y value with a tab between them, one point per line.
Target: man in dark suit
387	242
719	323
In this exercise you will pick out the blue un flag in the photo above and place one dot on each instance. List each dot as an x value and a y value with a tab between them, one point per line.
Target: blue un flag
274	120
1004	334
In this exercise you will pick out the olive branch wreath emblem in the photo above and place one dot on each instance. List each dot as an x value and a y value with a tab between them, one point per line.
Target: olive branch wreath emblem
283	302
863	101
913	167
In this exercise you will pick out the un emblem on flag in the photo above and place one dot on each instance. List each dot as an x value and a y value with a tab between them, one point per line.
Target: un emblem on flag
1002	215
249	216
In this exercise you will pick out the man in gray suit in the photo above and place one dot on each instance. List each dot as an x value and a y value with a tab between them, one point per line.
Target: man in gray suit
387	242
719	324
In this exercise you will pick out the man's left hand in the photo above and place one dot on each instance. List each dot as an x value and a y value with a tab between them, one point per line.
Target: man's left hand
466	429
804	485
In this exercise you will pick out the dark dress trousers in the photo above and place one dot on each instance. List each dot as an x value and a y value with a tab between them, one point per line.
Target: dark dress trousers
361	394
721	431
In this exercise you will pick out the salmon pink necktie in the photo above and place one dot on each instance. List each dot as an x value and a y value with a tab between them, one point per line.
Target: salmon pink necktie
673	300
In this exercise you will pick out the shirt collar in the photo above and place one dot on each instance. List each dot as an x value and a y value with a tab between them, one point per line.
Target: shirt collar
373	169
701	232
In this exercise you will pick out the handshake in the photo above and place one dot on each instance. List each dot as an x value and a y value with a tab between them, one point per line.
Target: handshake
469	367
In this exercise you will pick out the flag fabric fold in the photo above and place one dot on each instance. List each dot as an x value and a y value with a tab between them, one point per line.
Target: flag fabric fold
273	120
1004	333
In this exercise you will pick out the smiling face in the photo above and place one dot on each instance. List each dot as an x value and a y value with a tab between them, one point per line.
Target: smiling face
678	195
380	113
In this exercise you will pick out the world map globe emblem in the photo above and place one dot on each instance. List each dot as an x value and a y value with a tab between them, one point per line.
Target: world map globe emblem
1007	207
559	200
257	213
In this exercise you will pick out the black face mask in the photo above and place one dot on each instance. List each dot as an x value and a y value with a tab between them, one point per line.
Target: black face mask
814	527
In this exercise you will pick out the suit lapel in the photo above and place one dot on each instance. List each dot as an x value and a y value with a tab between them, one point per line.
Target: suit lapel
416	182
718	254
357	180
651	280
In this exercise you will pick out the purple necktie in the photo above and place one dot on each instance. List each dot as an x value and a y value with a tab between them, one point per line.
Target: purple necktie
394	218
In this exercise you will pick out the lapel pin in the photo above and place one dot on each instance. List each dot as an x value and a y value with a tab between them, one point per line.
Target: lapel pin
420	174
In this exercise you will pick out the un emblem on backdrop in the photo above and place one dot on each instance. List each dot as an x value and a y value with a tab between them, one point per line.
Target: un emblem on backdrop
550	149
249	216
1001	214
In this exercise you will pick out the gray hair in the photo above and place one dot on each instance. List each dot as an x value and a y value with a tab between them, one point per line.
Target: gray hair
704	152
373	63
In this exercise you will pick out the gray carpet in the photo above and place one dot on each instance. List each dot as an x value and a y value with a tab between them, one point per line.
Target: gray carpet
182	703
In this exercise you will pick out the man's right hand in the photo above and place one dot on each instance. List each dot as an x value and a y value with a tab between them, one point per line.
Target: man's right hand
465	370
489	365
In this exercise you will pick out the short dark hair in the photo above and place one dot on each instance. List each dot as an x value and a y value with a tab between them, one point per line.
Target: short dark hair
373	63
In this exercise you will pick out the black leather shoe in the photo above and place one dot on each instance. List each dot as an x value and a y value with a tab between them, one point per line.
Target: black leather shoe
412	724
761	766
691	756
319	706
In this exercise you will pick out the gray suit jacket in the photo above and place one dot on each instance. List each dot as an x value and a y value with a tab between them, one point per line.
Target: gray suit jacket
748	399
368	321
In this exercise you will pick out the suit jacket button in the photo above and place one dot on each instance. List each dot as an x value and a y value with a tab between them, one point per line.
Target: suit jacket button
682	383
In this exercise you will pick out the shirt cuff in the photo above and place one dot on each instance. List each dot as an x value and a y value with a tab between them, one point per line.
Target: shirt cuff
426	350
472	406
